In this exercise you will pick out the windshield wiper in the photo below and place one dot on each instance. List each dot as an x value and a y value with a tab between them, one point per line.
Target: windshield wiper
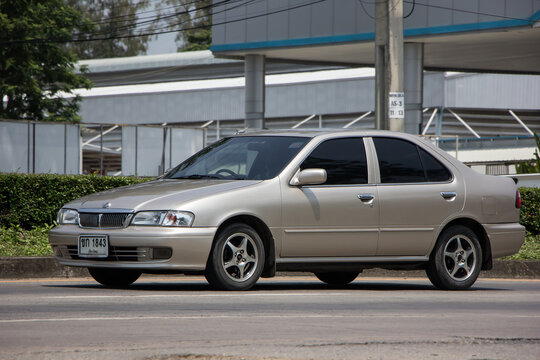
198	176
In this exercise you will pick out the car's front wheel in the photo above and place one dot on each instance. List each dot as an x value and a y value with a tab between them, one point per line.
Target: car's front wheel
456	259
116	278
337	277
237	258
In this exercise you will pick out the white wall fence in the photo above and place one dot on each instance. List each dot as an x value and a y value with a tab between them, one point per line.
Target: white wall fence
33	147
57	148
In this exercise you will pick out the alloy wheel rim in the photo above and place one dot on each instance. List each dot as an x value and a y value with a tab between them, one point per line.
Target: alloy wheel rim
239	257
460	258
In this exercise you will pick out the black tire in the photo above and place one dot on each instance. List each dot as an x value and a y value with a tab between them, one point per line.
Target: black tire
456	260
237	258
115	278
337	277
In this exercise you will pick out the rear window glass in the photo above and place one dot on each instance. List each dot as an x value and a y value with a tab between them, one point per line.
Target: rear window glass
435	171
401	161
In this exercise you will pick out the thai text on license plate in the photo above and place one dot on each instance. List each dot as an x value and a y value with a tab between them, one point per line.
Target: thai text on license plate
93	246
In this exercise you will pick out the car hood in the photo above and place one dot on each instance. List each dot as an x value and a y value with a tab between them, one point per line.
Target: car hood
162	194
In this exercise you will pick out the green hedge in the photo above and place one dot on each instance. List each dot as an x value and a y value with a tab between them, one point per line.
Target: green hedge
30	201
530	209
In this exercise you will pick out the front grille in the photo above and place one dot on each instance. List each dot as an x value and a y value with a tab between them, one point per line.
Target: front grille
89	220
106	220
113	220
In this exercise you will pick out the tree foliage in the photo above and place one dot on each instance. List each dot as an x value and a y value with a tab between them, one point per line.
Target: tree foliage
195	18
34	72
113	19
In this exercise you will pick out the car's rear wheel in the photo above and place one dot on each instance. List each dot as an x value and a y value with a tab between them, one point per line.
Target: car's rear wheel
237	258
456	259
116	278
337	277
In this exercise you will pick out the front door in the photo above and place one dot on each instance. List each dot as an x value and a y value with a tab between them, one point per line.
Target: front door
336	219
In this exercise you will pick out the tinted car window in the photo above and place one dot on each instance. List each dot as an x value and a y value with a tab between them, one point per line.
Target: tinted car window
399	161
241	158
435	171
343	159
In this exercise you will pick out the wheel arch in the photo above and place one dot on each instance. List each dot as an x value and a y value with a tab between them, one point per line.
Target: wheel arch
264	232
483	239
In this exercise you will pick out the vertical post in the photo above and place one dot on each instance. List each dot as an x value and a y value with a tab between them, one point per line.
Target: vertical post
101	149
396	120
389	102
439	122
65	148
381	60
136	148
79	153
163	148
254	69
320	121
170	147
413	55
205	133
218	130
28	147
33	148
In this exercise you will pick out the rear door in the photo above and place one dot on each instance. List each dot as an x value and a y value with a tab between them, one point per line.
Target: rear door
417	193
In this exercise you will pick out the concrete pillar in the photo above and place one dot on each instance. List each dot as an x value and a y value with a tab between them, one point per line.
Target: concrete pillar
254	70
389	107
413	56
381	61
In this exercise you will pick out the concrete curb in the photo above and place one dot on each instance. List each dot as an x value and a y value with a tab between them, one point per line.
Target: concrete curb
48	267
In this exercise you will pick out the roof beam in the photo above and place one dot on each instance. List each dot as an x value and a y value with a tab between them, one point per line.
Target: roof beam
464	123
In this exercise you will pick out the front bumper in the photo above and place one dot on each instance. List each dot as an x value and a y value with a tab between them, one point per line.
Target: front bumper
190	247
505	239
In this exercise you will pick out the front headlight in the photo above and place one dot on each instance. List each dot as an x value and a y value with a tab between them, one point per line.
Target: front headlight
67	217
163	218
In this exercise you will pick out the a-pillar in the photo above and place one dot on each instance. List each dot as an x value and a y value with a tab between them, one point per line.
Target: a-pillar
413	65
254	70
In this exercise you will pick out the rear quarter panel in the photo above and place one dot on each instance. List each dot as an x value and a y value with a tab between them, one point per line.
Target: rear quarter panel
491	199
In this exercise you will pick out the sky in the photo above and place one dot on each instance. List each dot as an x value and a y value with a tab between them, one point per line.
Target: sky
164	44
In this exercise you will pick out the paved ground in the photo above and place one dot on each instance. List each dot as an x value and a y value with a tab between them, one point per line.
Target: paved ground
282	318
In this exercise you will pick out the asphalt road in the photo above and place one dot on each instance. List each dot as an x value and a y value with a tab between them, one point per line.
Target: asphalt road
282	318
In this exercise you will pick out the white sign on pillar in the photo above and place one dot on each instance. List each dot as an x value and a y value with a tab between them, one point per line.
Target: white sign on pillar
396	105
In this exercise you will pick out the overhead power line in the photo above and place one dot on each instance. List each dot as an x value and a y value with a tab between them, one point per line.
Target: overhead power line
158	18
466	11
151	33
98	36
137	14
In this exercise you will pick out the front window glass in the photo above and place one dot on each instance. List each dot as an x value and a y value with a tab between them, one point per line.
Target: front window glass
241	158
343	159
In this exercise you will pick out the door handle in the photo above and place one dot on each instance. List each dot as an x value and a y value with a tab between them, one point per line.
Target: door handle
366	197
448	195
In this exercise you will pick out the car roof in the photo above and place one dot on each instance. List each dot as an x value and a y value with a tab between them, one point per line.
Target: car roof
311	133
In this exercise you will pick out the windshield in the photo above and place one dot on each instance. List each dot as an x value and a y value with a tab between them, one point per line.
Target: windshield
240	158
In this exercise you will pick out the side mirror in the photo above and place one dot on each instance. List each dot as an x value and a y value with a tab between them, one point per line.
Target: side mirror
309	177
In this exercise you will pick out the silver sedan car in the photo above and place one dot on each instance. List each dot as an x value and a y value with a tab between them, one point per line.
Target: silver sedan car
331	203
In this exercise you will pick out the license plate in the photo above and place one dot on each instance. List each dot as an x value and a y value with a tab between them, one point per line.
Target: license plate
93	246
